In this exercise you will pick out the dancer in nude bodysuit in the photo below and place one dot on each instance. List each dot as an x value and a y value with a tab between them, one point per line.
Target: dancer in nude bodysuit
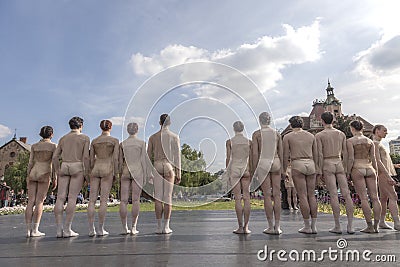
73	150
300	146
238	165
39	173
290	189
133	169
104	155
385	181
332	153
267	157
164	150
362	167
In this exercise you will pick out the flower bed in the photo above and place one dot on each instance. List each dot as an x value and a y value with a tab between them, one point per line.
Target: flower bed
49	208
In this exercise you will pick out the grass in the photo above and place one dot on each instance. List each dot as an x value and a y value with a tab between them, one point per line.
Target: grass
229	205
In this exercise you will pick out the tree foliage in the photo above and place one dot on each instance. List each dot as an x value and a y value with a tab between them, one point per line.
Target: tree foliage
194	172
15	175
342	123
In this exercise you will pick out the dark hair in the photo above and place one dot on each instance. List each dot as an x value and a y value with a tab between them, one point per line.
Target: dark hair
75	123
358	125
264	118
377	127
165	120
296	122
106	125
238	126
132	128
46	131
327	117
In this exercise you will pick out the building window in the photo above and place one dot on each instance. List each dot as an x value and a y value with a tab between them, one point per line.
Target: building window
12	154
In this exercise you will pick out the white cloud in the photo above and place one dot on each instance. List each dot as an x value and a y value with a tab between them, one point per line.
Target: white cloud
120	120
263	60
4	131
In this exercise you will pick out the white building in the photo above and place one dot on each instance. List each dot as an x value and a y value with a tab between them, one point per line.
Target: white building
394	146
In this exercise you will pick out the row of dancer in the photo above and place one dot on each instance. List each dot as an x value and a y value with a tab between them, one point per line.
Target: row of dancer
327	156
75	159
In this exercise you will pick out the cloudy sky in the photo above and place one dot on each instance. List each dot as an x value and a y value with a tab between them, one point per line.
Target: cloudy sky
101	60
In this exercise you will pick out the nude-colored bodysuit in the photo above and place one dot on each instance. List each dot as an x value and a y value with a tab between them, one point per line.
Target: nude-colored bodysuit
104	156
267	151
385	159
40	161
133	159
301	147
164	149
331	144
73	148
239	158
360	150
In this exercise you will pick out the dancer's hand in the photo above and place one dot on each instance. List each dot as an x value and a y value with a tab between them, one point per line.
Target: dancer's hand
391	181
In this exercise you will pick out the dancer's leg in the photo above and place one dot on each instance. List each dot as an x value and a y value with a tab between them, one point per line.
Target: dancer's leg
105	188
32	188
312	202
276	194
94	192
136	192
344	189
299	180
330	181
123	211
266	188
41	193
75	186
62	191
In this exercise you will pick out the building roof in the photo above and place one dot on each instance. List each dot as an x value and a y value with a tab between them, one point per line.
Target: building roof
25	146
317	110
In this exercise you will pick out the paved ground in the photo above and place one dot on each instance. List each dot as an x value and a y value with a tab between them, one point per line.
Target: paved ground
200	238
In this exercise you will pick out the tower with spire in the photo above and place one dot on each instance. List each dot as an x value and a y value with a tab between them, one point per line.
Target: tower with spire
331	103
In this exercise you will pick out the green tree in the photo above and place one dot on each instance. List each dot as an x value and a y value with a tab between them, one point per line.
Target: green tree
194	172
395	158
15	175
342	123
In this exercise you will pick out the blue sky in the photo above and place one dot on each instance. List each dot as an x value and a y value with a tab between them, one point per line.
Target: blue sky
88	58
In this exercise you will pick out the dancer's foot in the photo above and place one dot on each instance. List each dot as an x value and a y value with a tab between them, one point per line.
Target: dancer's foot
125	231
239	231
369	229
269	231
134	231
159	230
246	230
384	225
60	231
28	233
296	208
37	234
350	230
314	229
306	230
336	230
92	233
277	231
166	230
397	226
69	233
102	232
